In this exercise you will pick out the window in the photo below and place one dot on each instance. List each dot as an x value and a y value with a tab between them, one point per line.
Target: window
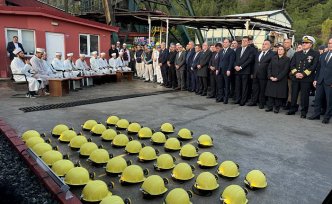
88	44
26	37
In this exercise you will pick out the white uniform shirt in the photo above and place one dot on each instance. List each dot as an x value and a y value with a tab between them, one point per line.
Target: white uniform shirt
58	64
94	63
103	63
68	65
81	64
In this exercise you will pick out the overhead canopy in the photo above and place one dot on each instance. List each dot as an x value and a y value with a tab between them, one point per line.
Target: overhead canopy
201	22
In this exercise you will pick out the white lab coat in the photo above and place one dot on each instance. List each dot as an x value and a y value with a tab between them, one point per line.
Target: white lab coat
82	65
70	69
19	67
94	63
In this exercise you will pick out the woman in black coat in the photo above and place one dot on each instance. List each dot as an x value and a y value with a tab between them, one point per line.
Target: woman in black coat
276	89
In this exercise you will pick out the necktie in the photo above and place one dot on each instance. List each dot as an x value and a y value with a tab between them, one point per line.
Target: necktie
263	54
216	56
328	56
242	51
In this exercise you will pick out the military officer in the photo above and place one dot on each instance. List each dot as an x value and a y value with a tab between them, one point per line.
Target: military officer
303	67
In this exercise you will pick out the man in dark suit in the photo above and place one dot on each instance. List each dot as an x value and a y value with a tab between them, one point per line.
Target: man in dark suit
193	69
323	84
262	61
202	69
12	46
163	63
180	63
171	67
189	60
303	66
244	58
213	67
226	64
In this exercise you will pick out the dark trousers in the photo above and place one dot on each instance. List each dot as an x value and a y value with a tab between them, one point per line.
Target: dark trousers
304	87
241	88
323	96
202	85
213	84
172	81
258	91
180	77
223	87
232	84
188	78
194	81
276	102
164	74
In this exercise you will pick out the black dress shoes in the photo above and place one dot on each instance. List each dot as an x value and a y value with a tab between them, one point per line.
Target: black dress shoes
314	117
326	120
268	110
290	113
252	104
303	115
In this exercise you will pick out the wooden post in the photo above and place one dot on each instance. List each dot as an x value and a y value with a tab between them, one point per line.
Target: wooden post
107	12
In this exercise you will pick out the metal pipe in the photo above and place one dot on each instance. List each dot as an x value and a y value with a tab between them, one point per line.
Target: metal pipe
167	24
149	22
160	32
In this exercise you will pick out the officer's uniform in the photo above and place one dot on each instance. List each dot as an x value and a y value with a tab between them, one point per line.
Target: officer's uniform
304	62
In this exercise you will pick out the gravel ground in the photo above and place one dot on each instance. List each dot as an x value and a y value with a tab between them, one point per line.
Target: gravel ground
18	184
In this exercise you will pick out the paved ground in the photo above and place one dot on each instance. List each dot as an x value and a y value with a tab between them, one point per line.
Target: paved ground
295	154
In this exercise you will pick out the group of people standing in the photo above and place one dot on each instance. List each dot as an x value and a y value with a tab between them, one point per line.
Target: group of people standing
274	77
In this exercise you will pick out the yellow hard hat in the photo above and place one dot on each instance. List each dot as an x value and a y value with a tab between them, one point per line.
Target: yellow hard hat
112	120
95	191
147	154
77	176
33	141
87	148
51	156
77	142
133	174
29	134
164	162
100	156
121	140
185	134
207	159
67	135
183	172
255	179
133	128
133	147
167	128
41	148
108	135
58	129
145	133
229	169
116	165
158	138
205	141
206	181
154	185
178	196
61	167
188	151
98	129
122	124
234	194
113	199
88	125
172	144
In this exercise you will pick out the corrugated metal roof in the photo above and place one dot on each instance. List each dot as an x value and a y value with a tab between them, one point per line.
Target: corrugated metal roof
263	13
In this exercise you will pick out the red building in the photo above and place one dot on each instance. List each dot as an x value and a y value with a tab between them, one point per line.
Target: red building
46	27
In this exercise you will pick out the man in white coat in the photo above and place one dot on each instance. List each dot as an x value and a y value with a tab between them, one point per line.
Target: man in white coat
94	63
57	64
37	67
70	69
156	67
113	63
120	65
104	64
49	71
83	66
21	66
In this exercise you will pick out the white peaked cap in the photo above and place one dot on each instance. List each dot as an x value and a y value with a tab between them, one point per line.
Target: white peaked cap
40	50
94	52
17	50
70	54
82	55
58	53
